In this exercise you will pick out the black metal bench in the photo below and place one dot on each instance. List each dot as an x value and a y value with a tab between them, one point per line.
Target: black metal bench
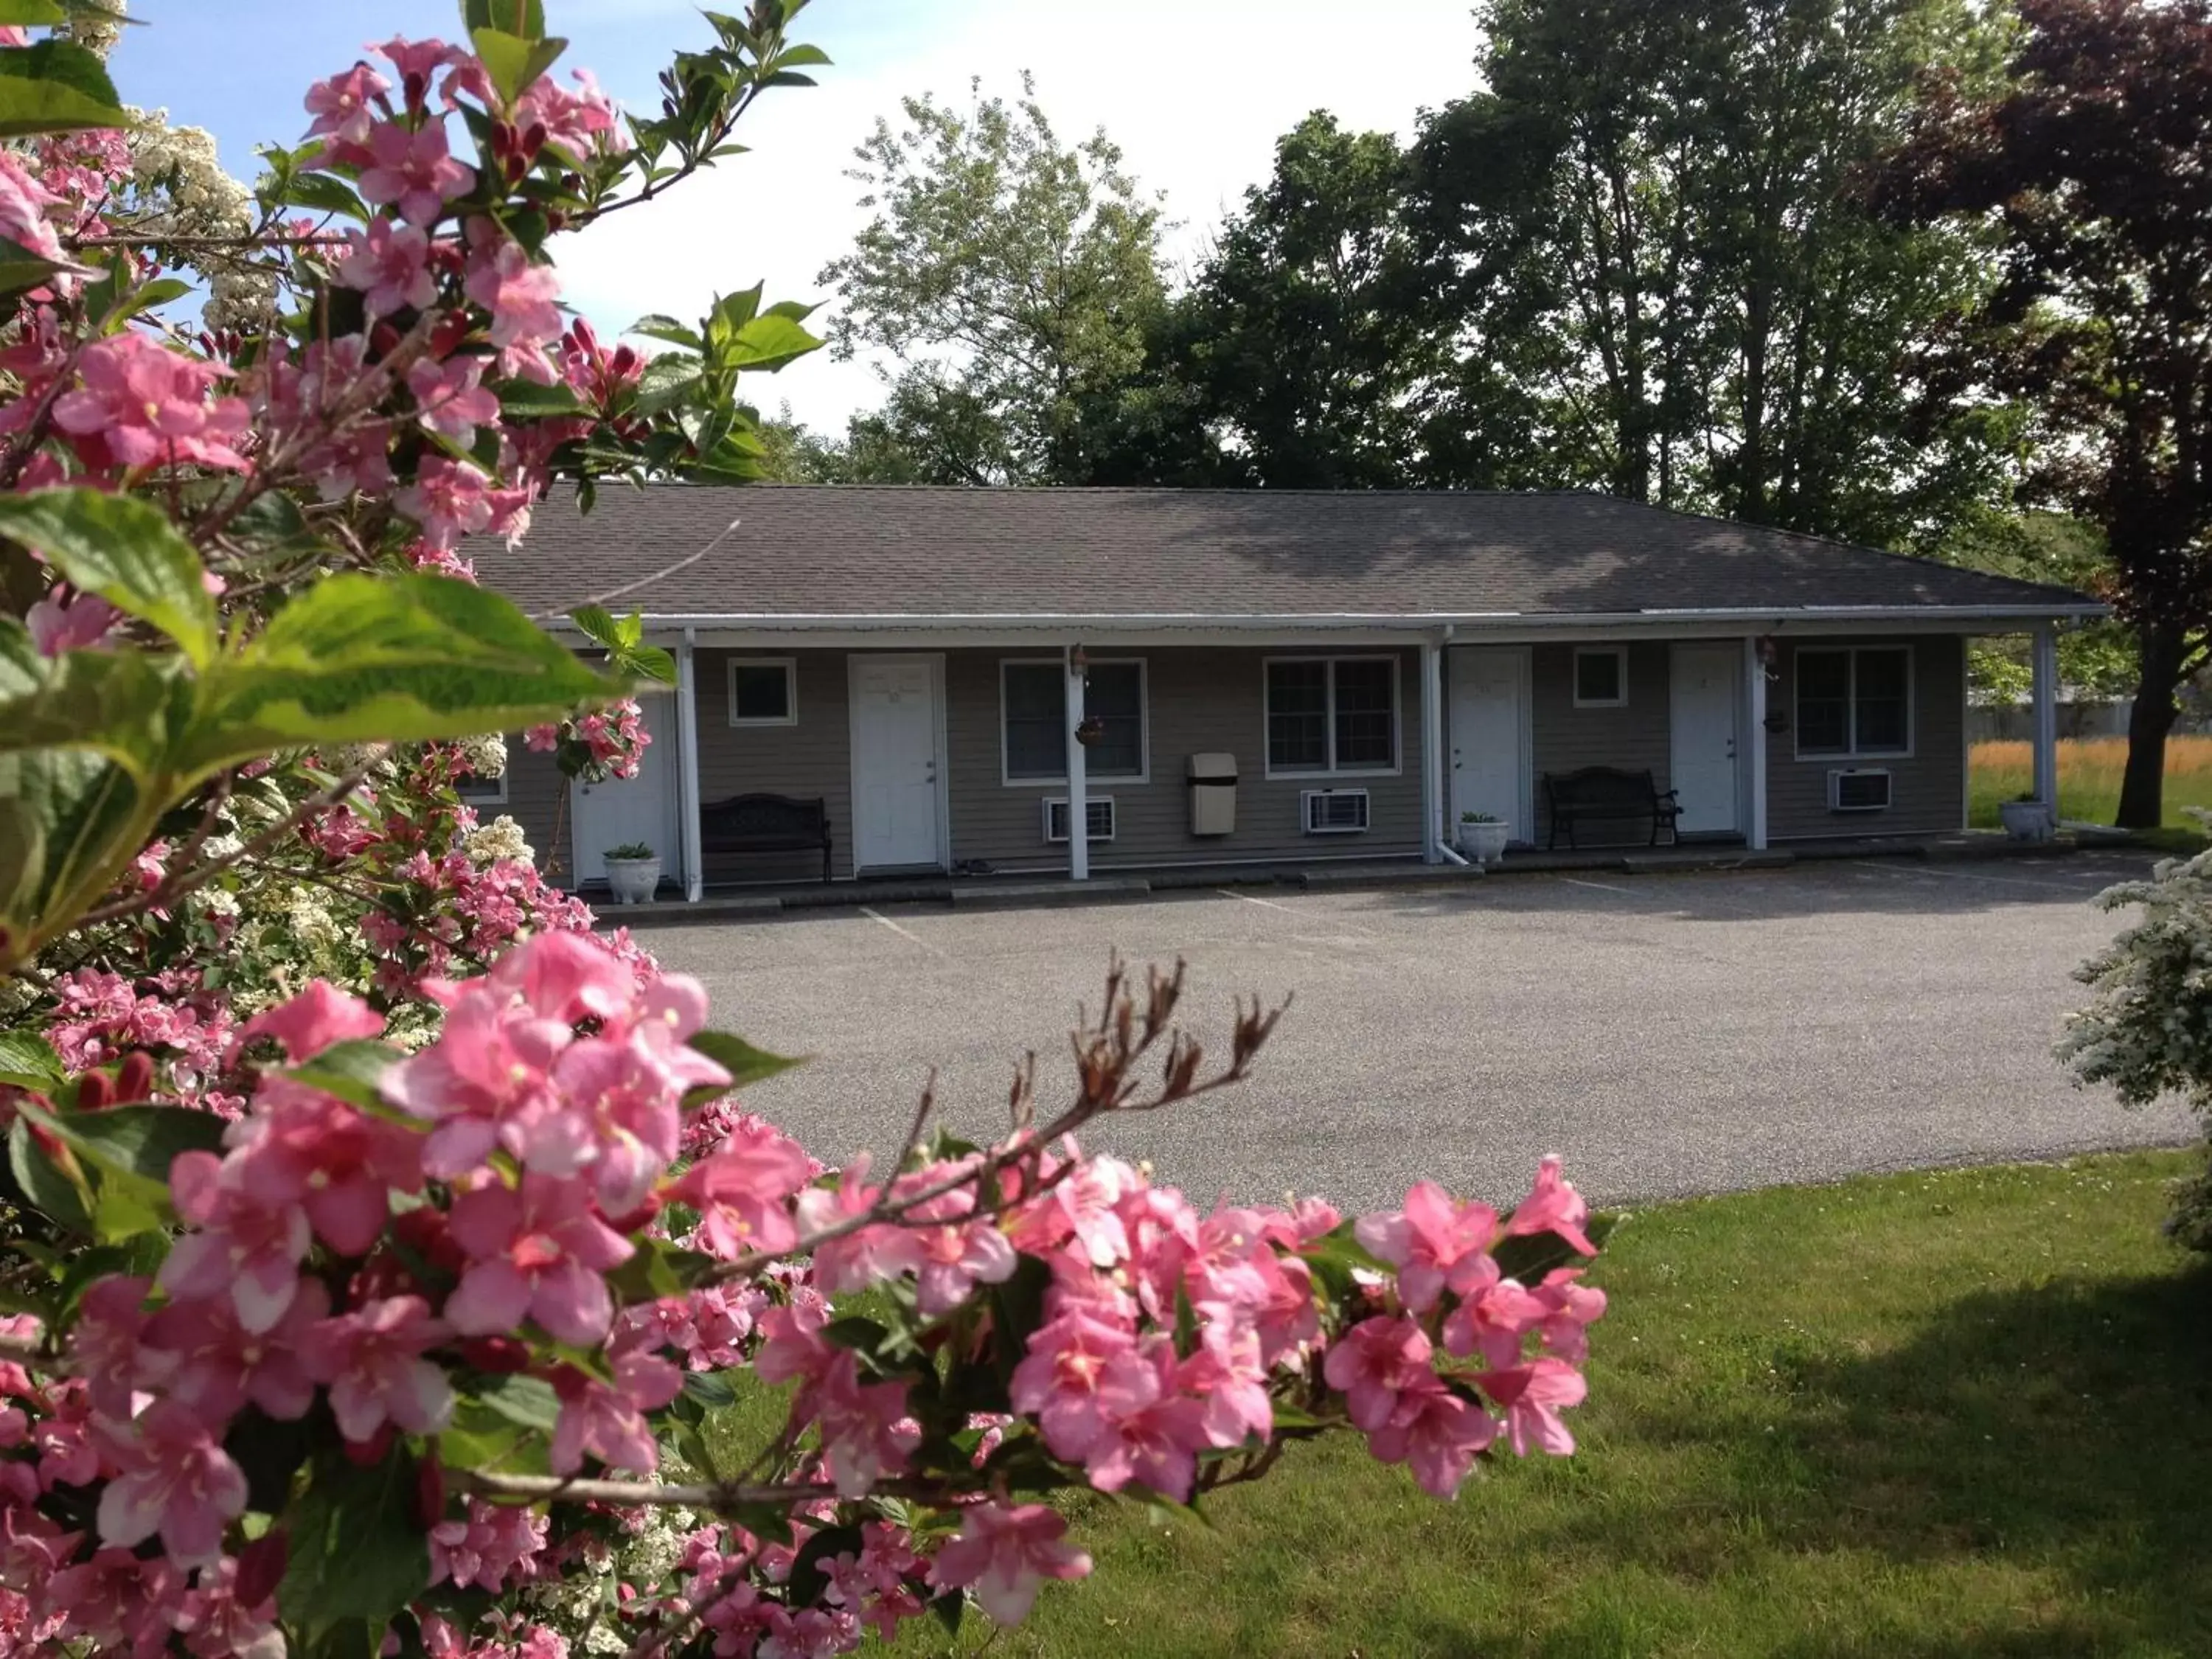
745	824
1607	791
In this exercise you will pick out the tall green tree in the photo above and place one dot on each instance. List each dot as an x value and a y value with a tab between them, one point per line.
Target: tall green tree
1016	277
1301	335
2096	162
1644	233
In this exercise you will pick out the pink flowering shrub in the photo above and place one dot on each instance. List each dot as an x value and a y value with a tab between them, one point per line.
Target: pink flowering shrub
385	1237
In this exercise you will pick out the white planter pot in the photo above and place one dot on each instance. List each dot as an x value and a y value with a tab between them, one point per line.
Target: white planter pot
632	880
1484	842
2027	820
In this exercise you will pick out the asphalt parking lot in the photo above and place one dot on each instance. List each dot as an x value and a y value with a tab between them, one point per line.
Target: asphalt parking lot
1665	1034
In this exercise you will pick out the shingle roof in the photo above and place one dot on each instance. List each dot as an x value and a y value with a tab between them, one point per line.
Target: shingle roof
827	551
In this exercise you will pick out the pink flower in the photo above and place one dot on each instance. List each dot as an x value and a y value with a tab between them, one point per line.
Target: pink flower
242	1247
118	1602
1148	1430
1004	1551
335	1161
519	295
198	1353
449	500
371	1360
865	1431
1375	1362
64	621
609	1423
1553	1206
23	204
584	123
391	263
537	1254
1570	1310
448	398
1060	1376
416	61
495	1543
142	404
312	1021
955	1254
105	1342
742	1192
1436	1431
864	1257
1230	1374
1533	1396
341	105
1435	1242
1492	1321
175	1480
223	1618
414	171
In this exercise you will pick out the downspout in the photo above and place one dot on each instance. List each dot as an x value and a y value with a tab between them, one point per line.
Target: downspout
1078	793
1432	752
687	771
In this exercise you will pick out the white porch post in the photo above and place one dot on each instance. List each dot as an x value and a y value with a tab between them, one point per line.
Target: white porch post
1079	797
1754	738
687	768
1432	750
2045	657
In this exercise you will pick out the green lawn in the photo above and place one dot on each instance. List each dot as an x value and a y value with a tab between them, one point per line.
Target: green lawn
1958	1413
2089	780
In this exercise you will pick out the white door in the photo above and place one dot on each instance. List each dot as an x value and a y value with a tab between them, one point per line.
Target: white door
895	762
1490	735
1707	685
638	809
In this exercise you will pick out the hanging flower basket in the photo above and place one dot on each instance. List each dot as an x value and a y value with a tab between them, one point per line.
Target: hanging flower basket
1088	730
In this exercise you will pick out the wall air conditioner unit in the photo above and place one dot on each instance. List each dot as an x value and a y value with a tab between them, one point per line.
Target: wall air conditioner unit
1099	809
1859	789
1334	811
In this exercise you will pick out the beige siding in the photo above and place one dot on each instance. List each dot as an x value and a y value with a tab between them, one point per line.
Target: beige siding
1198	701
1928	788
1633	738
808	758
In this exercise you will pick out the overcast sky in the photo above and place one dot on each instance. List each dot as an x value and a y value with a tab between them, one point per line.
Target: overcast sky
1195	91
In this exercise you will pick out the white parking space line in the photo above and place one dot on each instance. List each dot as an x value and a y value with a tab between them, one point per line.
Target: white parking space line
1265	904
911	937
1601	886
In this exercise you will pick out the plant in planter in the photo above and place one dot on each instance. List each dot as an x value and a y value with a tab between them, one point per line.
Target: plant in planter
2026	818
633	871
1089	729
1482	836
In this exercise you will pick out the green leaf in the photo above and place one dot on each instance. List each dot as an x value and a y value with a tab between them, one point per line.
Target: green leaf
125	550
523	400
32	14
529	1400
656	327
20	268
524	17
800	58
396	659
322	193
138	1140
355	1549
157	293
948	1608
766	343
124	1206
1529	1256
352	1071
55	1195
514	62
710	1389
657	1269
745	1063
66	817
56	86
29	1061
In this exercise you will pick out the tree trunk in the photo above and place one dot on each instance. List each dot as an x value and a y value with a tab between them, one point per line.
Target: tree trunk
2143	786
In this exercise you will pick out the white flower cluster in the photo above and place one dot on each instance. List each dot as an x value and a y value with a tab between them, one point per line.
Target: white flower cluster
500	840
485	757
2148	1030
179	188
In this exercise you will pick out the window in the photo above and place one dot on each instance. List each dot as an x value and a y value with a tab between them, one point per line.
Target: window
1332	714
1854	701
1033	705
763	691
481	791
1600	677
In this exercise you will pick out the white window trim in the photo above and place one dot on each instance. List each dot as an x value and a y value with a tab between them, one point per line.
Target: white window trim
499	799
1823	757
790	667
1269	769
1090	803
1144	772
1619	654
